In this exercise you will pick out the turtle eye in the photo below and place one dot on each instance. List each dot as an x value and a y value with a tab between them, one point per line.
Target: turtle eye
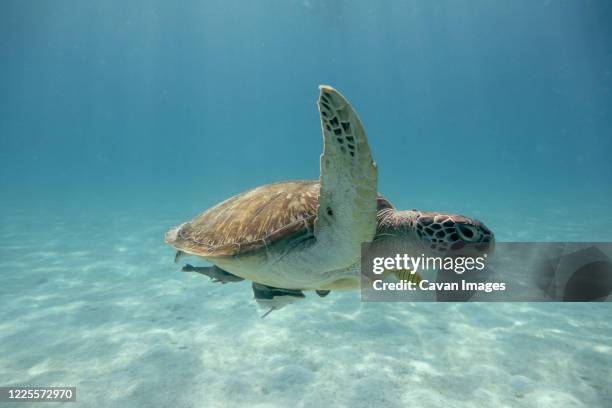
466	232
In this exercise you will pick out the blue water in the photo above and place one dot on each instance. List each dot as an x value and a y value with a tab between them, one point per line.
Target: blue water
121	119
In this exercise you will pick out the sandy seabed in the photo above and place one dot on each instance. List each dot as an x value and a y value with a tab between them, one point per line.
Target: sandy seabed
95	302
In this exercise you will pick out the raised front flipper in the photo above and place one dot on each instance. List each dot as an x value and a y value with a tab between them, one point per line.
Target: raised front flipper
346	215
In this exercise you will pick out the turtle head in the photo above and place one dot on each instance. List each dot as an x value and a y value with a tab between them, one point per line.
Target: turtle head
452	233
437	233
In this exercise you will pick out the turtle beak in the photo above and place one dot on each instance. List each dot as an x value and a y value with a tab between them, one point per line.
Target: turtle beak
488	246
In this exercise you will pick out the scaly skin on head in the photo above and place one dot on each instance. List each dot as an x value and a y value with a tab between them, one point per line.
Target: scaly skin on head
434	233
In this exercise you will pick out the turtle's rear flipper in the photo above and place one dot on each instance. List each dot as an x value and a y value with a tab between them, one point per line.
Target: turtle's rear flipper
322	293
275	298
179	255
213	272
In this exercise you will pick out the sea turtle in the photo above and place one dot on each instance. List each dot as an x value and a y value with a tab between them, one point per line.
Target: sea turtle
296	236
